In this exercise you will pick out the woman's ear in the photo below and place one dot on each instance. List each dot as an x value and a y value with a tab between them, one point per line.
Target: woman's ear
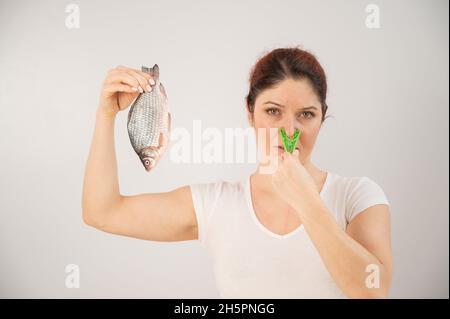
250	117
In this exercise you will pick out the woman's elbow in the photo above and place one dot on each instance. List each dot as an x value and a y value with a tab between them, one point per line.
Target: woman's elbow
381	292
92	220
373	293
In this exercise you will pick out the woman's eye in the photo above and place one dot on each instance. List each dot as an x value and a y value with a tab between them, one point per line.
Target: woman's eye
310	114
272	111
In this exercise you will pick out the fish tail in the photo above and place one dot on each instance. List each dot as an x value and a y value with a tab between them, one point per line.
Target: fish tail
146	69
155	73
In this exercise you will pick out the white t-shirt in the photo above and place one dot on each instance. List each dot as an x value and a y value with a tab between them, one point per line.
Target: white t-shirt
250	261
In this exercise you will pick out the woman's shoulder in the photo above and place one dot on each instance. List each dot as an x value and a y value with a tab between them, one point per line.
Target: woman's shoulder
356	193
353	183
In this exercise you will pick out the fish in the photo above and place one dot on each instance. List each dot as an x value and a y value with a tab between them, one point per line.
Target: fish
149	122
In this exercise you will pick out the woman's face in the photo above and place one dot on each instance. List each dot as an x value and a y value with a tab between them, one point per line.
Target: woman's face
292	104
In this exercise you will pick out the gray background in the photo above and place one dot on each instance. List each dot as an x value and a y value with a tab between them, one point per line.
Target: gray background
388	98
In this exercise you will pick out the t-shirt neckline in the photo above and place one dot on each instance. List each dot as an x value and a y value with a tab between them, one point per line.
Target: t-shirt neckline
251	210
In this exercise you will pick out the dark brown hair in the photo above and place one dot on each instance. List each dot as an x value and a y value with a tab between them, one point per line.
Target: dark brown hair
283	63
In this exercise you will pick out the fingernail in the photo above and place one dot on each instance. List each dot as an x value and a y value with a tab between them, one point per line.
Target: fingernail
151	81
134	89
141	90
148	87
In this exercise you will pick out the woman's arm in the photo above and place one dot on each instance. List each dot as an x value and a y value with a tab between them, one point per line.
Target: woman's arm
349	255
167	216
358	259
101	185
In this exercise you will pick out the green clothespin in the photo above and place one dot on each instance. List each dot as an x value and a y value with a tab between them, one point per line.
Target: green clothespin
290	143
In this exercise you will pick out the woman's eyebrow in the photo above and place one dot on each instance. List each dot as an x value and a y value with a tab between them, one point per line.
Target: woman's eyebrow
270	102
304	108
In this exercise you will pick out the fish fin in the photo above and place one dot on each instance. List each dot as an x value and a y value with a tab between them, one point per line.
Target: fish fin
163	90
169	125
164	137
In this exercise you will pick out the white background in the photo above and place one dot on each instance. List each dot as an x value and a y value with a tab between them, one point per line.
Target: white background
388	98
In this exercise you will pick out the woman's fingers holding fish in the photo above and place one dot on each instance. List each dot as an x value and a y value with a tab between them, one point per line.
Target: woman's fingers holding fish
142	77
112	88
147	76
138	74
124	78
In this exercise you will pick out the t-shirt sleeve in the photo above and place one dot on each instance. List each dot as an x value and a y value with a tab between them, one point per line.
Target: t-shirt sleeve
363	193
204	199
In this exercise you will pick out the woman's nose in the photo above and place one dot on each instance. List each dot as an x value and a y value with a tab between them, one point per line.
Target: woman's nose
290	126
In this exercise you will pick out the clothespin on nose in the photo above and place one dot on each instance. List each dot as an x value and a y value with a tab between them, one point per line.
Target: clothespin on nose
290	143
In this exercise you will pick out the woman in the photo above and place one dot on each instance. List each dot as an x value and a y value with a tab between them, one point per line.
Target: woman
298	232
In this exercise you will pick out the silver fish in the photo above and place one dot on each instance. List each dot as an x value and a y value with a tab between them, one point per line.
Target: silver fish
149	122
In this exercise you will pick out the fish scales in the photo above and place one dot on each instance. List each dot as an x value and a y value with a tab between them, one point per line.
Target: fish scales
149	122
